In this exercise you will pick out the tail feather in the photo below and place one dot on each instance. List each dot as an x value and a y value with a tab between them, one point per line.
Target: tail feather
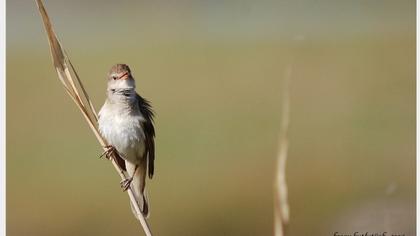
139	188
144	206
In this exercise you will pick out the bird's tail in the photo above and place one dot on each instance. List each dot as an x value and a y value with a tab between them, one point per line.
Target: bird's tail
139	188
144	206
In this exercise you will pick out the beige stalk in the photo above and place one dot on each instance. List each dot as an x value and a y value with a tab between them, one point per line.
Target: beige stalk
74	87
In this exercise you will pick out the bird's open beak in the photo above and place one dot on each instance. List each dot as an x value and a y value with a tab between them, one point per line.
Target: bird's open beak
124	76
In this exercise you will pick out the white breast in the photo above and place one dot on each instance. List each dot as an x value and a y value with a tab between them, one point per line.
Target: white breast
122	129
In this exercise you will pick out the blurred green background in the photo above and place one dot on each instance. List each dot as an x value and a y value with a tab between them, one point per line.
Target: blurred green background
213	71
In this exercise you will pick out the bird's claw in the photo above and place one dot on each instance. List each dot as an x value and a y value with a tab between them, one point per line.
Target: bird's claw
125	184
108	152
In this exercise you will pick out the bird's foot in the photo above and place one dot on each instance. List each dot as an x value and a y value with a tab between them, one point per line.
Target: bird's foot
125	184
108	152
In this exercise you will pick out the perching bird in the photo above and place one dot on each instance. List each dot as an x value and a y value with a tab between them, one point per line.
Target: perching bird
126	122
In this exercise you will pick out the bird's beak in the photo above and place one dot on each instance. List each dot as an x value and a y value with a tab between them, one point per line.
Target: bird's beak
124	76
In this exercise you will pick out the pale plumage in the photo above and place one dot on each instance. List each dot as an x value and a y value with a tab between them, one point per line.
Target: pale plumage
126	122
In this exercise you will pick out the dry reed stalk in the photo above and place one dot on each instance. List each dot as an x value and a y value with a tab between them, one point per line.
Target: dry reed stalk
74	87
281	206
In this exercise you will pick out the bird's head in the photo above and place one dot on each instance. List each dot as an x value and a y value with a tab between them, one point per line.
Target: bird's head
121	81
120	77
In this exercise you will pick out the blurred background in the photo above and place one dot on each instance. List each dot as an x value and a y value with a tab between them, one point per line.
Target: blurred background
213	71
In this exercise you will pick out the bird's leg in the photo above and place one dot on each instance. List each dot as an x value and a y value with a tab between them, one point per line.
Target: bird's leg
108	152
125	184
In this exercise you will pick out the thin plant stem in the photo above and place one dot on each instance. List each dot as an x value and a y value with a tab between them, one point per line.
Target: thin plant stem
75	89
281	205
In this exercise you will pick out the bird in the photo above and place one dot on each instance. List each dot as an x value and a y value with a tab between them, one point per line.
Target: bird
126	122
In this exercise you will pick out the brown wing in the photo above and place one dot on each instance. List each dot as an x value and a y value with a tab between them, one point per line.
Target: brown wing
149	131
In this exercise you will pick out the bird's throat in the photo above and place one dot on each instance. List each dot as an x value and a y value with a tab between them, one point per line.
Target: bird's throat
121	94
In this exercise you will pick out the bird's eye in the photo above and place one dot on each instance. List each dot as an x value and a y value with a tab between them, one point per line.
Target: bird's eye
114	77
